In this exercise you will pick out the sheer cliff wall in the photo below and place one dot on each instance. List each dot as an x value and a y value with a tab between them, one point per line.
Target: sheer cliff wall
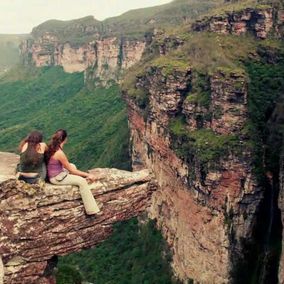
188	126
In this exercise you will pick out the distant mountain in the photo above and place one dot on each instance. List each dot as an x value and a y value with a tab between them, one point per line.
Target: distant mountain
132	24
104	49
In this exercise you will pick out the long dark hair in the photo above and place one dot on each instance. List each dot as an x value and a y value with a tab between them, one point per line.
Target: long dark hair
33	139
58	137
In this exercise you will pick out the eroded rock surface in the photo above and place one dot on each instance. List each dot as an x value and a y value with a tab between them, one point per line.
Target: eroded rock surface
38	223
102	59
258	21
8	163
198	213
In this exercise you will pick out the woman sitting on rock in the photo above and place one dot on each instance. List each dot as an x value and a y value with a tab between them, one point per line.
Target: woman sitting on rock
32	166
60	171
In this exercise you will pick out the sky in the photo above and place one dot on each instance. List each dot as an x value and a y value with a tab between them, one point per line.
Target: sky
20	16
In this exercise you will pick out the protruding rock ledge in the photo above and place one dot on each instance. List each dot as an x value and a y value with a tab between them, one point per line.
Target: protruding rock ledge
38	223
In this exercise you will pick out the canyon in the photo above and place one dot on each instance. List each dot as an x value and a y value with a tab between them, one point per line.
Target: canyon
189	128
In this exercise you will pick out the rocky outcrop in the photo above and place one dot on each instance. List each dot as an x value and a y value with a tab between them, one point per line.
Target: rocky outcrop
8	164
259	21
39	223
100	58
225	109
228	101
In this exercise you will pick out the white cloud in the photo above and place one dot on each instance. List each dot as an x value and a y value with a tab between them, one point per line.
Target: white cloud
20	16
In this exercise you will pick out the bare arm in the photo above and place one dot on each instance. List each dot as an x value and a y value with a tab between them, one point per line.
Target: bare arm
43	147
24	147
59	155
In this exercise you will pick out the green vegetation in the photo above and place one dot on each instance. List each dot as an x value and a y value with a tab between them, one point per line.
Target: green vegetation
165	64
202	57
135	253
132	24
197	54
200	91
168	64
20	73
76	32
68	274
265	133
9	51
203	144
235	6
48	99
265	89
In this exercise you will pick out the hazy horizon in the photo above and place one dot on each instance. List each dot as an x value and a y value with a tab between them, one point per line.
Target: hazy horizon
19	17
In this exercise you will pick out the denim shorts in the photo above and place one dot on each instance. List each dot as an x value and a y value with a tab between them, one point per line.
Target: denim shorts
30	180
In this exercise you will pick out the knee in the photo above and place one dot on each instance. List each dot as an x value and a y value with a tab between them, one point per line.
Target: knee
81	182
73	166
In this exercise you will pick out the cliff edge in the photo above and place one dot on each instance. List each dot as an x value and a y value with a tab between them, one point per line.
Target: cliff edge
37	224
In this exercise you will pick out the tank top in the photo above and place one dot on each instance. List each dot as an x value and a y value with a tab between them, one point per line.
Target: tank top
32	162
54	168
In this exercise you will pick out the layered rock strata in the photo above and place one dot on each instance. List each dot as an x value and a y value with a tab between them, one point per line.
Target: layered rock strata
227	111
260	21
204	213
39	223
102	58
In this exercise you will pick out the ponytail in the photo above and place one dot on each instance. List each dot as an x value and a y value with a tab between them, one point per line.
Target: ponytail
58	137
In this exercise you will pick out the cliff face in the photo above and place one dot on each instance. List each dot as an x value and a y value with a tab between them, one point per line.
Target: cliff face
281	206
228	104
102	59
188	126
203	216
39	223
259	21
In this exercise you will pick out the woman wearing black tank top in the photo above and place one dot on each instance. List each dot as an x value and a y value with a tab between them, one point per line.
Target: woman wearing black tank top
32	166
